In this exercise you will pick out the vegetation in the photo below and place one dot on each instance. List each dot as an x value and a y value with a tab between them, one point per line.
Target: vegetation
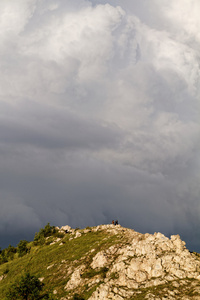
91	272
7	254
28	287
77	297
52	261
162	291
22	248
47	231
42	268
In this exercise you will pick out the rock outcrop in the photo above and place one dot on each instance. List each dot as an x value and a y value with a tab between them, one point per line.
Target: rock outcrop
137	266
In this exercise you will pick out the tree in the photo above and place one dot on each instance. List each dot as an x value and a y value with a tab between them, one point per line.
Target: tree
22	248
7	254
10	251
3	257
40	236
28	288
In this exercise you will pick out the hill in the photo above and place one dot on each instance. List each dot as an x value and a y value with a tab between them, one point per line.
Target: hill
108	262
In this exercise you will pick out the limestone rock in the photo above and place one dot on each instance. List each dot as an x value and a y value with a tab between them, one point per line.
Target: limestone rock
49	267
76	279
66	228
41	279
143	261
99	260
78	234
55	241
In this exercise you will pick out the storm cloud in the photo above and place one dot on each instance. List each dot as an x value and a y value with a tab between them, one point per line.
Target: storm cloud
99	116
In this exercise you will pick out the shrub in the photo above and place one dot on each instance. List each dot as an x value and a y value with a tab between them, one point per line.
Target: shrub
43	233
77	297
7	254
10	251
28	288
59	235
22	248
3	257
6	271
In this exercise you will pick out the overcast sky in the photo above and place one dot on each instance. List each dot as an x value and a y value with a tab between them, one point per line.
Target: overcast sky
99	116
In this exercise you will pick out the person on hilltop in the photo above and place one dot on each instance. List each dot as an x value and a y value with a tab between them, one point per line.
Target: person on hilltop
116	222
113	222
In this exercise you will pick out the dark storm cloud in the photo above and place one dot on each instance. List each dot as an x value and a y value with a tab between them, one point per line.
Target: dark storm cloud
48	127
99	116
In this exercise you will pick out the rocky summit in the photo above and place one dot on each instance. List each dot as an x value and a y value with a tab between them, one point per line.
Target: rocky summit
107	262
136	266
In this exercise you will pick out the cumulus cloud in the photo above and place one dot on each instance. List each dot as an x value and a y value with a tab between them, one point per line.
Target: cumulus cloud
99	115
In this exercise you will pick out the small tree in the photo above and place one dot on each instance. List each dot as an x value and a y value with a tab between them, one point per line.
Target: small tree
7	254
22	248
40	236
28	288
10	251
3	257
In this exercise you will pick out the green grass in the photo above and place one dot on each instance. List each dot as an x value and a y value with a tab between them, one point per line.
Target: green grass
73	252
55	263
91	273
162	290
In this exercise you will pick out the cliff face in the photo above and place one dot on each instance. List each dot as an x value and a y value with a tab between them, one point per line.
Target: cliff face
137	266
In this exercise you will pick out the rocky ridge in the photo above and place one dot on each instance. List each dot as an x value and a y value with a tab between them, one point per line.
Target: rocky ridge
137	266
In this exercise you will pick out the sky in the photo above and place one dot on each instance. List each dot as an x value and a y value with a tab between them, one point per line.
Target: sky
99	116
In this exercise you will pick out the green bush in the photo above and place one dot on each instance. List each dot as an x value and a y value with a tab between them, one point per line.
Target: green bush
28	288
10	251
59	235
6	271
40	236
77	297
22	248
7	254
3	257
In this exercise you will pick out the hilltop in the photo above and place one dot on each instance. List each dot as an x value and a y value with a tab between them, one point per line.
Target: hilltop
108	262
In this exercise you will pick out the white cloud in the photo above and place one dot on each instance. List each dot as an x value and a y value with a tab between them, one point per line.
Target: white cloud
15	16
183	16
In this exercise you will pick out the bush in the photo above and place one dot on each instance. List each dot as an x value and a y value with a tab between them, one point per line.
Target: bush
10	251
22	248
28	288
77	297
6	271
7	254
3	257
40	236
59	235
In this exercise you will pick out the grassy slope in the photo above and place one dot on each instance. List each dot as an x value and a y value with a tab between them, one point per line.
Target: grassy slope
59	257
62	259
